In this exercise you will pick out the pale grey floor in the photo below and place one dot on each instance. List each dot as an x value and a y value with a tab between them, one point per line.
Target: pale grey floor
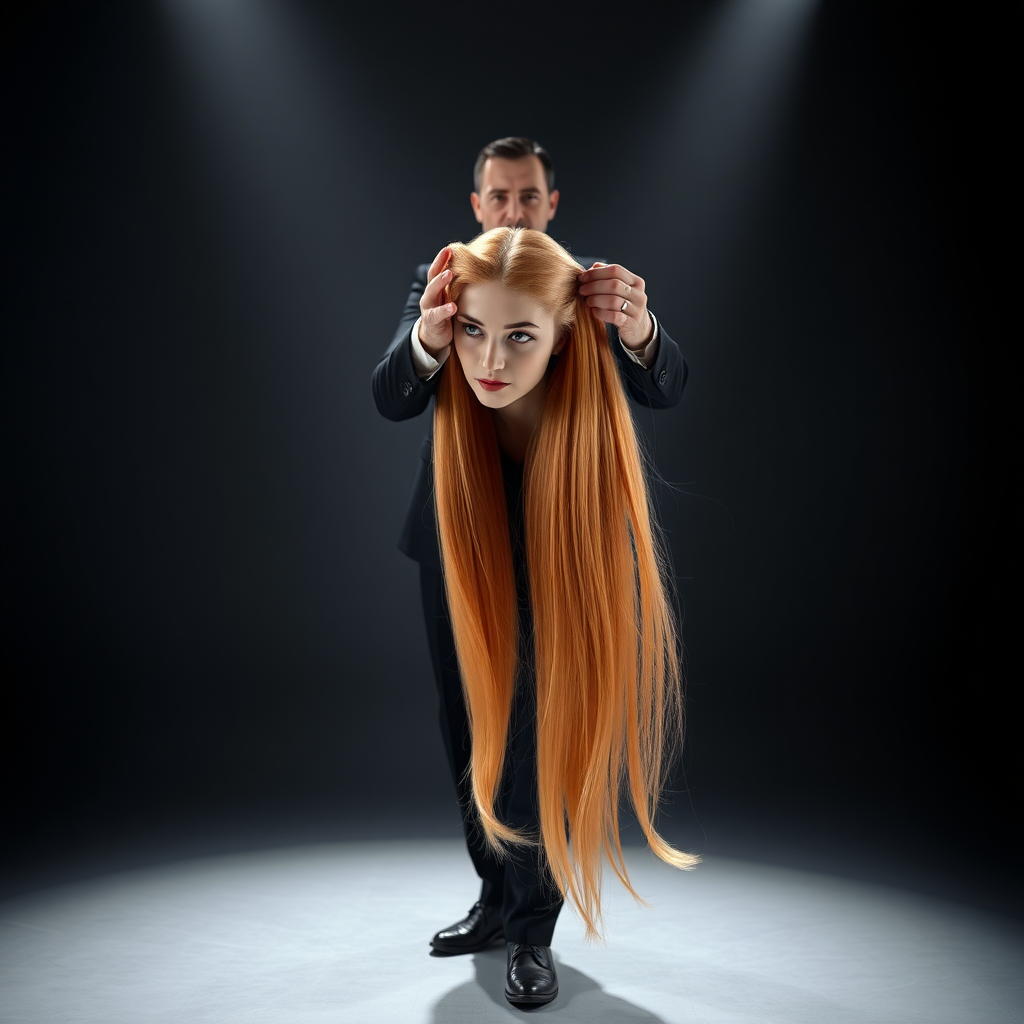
338	933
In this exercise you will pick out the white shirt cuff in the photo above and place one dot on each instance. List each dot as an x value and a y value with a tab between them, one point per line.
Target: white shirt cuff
424	363
645	356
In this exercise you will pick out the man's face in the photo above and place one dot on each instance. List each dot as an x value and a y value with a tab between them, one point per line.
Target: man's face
514	193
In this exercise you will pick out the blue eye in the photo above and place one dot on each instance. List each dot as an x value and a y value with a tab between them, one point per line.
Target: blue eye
471	329
520	337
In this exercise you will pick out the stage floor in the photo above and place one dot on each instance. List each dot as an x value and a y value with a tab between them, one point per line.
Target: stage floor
338	932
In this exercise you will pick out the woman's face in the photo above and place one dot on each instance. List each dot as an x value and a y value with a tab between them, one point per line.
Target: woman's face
504	341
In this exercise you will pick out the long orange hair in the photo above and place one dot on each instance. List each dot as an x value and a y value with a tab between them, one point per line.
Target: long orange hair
606	646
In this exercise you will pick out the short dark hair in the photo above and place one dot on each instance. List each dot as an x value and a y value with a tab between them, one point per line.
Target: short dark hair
514	147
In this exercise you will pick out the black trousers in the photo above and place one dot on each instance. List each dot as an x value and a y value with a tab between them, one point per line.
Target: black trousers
517	882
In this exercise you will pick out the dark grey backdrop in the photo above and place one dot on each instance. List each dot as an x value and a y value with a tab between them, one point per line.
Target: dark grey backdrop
211	217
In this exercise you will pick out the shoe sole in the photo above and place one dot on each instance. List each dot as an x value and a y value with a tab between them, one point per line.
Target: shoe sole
478	948
530	1000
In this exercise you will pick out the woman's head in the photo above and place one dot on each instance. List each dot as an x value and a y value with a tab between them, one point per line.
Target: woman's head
515	293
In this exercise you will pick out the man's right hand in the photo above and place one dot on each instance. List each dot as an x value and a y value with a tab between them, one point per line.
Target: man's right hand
435	310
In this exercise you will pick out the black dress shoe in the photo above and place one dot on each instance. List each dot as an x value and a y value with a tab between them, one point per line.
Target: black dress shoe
530	979
480	928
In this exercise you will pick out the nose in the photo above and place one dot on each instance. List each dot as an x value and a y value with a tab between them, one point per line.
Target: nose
514	217
493	357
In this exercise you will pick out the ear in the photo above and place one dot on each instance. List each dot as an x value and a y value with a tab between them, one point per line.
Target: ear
474	201
554	204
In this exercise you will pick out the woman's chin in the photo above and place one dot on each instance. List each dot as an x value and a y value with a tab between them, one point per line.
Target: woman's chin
492	399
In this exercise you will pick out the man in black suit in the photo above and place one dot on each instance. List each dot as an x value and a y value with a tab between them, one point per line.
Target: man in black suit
514	181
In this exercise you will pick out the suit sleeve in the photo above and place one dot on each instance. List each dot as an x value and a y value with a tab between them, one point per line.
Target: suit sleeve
660	386
397	389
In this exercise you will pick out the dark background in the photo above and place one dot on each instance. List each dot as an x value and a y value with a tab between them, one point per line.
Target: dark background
212	213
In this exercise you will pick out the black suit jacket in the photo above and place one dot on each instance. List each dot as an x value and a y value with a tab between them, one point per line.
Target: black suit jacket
400	395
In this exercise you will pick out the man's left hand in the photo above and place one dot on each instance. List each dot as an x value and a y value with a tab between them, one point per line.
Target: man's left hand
615	296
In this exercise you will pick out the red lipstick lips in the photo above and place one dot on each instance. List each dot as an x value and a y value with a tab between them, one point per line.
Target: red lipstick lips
492	385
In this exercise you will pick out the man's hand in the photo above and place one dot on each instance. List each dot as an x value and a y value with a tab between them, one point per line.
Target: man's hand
615	296
435	310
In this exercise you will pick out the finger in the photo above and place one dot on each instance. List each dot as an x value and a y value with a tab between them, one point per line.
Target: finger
635	305
614	286
632	330
433	294
440	262
439	314
606	271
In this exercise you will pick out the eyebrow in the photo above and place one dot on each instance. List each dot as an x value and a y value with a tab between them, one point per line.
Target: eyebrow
507	327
